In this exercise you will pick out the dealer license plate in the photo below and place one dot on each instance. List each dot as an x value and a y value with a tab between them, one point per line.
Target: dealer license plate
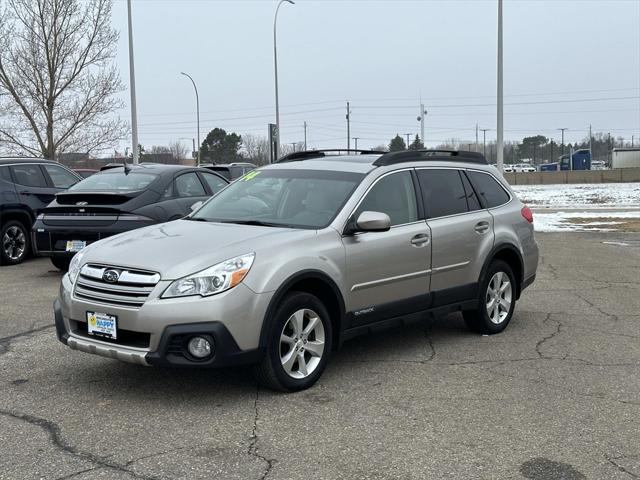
102	325
75	245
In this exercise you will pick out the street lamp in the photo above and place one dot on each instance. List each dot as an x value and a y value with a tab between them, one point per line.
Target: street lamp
197	112
132	87
275	64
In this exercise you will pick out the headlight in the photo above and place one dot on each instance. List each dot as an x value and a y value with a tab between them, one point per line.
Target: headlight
74	266
216	279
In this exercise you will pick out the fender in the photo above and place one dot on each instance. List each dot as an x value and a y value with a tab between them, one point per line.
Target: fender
497	248
23	212
285	287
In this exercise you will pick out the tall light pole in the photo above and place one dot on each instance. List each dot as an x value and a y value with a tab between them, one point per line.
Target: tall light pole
500	112
562	130
275	69
132	88
356	140
197	113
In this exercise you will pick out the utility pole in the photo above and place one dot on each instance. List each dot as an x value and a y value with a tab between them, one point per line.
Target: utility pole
348	128
305	135
562	130
500	126
632	139
590	144
132	81
408	136
355	139
476	136
484	141
421	118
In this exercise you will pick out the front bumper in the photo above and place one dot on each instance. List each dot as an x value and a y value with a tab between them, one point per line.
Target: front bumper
157	333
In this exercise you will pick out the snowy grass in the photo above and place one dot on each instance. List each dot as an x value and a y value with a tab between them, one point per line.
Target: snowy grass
586	221
580	196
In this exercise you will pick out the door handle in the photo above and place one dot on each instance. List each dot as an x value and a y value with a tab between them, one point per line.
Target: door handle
25	192
420	239
482	227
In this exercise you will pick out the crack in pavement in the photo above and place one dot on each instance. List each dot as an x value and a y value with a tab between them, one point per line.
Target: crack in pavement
593	305
253	444
5	342
612	461
548	337
58	441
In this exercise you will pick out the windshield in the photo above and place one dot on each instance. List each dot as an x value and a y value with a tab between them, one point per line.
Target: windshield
282	198
115	181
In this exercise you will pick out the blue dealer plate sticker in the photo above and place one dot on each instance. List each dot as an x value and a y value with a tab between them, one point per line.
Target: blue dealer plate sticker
75	245
102	324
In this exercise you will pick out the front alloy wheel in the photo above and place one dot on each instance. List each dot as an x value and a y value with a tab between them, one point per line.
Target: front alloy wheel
14	240
298	344
302	343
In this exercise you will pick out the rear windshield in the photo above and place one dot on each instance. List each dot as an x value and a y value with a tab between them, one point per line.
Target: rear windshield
118	181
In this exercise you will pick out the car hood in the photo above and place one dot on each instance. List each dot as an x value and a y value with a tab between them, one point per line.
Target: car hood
182	247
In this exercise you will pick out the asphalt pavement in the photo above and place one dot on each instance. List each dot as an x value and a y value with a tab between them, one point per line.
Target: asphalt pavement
556	396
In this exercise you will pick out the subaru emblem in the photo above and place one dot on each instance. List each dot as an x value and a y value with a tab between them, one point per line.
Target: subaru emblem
111	276
82	204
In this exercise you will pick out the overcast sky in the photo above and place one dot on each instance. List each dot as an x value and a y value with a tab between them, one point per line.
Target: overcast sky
566	64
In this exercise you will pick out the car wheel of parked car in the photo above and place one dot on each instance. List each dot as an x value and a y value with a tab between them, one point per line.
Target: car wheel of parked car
15	242
497	299
298	345
61	263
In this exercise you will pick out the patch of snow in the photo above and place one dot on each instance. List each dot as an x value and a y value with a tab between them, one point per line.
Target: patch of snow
588	196
561	221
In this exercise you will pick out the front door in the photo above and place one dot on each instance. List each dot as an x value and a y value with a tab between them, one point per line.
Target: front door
388	272
461	230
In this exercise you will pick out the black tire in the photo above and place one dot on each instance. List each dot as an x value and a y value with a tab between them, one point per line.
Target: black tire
478	320
15	242
270	372
61	263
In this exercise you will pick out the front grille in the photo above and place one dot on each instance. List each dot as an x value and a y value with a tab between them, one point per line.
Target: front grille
127	338
130	289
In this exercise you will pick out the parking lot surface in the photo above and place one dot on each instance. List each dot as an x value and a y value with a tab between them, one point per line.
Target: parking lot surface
556	396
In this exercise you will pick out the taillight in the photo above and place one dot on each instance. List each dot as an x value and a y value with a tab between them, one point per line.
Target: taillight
527	214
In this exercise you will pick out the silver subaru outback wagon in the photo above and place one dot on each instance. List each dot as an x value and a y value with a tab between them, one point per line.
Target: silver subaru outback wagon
289	261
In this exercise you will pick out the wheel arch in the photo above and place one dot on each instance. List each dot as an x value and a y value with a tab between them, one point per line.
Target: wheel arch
510	254
21	215
316	283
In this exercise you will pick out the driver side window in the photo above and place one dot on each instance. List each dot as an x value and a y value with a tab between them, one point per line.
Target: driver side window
393	195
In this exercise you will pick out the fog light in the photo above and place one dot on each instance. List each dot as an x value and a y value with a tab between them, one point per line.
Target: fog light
199	347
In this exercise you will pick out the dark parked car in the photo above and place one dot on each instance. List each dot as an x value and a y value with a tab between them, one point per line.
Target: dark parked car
27	185
116	200
230	171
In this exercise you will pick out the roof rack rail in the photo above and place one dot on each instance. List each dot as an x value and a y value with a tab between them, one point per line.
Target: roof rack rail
392	158
309	154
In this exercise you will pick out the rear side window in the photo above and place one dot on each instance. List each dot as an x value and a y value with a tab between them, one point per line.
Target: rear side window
188	185
215	182
60	177
393	195
443	192
490	191
5	174
29	175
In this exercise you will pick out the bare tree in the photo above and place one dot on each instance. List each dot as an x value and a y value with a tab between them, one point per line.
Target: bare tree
256	149
58	84
178	150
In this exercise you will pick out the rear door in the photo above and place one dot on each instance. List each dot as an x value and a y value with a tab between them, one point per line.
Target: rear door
388	272
32	186
461	231
59	177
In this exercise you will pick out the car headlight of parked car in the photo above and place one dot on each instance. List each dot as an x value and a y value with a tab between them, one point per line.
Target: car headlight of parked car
74	266
215	279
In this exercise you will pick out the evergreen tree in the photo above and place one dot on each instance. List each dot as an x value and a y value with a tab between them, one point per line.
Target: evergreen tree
397	144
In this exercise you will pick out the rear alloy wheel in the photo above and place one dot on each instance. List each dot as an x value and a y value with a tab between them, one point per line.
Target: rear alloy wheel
496	300
14	242
298	345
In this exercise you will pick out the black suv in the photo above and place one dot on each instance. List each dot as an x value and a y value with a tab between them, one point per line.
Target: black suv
118	199
27	185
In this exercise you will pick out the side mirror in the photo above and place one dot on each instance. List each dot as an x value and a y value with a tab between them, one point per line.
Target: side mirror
371	222
196	206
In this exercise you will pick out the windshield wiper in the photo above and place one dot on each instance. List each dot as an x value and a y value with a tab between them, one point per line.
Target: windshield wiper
258	223
195	219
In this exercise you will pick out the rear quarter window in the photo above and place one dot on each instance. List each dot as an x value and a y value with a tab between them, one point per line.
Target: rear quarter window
488	188
5	174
